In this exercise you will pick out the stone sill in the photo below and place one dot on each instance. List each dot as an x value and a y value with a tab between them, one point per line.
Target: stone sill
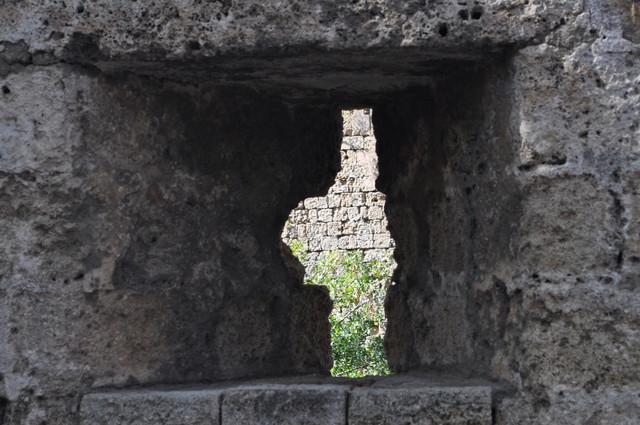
311	400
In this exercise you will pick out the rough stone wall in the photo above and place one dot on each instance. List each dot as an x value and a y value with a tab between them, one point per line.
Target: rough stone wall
351	216
141	215
141	237
518	260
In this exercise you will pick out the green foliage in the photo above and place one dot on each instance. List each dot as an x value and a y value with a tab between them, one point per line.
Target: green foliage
299	249
358	289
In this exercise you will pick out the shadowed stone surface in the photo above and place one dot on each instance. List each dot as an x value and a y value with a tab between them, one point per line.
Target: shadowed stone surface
286	405
152	407
151	152
416	400
431	406
142	217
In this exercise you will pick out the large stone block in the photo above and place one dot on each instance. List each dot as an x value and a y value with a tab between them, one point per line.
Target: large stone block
285	405
106	30
357	123
420	406
184	407
310	400
568	224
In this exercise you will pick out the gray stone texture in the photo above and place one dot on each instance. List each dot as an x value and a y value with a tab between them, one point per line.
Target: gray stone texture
125	216
150	154
299	401
518	262
420	406
353	209
285	404
182	407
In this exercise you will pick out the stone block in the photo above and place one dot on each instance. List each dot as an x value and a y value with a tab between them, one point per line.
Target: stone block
329	243
420	406
357	123
357	199
365	158
325	215
301	230
364	241
317	230
299	215
347	242
314	244
380	227
197	407
368	184
321	202
285	405
348	228
382	241
340	214
364	229
353	170
375	213
370	143
333	200
311	203
353	143
290	232
364	210
376	253
354	213
340	185
313	216
345	199
334	229
375	198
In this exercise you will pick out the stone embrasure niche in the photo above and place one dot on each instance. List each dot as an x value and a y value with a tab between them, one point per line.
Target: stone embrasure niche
151	153
342	241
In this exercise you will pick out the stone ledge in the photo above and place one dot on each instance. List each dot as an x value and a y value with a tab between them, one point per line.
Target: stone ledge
424	406
285	405
175	407
411	400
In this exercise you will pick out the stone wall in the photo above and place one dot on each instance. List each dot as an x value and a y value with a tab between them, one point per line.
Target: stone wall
138	232
351	216
150	154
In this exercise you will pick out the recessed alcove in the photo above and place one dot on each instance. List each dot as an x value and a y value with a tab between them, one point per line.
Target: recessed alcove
442	142
174	215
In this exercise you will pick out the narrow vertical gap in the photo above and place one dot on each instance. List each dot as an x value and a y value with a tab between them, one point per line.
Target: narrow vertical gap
346	407
220	410
3	408
343	242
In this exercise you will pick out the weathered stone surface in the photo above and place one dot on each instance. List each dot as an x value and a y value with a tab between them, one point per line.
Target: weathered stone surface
182	29
420	406
140	215
526	269
118	275
184	407
351	207
286	405
411	399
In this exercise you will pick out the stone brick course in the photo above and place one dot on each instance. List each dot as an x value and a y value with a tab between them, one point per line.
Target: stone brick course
351	216
299	401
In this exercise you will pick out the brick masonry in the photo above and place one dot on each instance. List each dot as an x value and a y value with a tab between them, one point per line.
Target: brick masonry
351	216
